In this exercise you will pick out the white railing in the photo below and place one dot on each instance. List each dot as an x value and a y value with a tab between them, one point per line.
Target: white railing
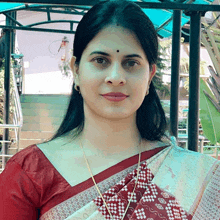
183	138
15	127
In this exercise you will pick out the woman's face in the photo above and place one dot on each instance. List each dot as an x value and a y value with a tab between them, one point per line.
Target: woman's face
113	62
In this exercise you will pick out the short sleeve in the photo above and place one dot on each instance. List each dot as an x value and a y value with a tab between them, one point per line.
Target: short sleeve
19	198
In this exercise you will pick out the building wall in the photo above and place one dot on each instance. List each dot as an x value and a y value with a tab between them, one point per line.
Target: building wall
41	57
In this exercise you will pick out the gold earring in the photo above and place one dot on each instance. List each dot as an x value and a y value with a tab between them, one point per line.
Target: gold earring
148	88
77	88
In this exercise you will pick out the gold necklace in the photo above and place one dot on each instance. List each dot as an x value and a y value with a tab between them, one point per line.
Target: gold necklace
139	160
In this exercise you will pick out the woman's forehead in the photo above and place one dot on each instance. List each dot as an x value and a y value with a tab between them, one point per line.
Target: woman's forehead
115	39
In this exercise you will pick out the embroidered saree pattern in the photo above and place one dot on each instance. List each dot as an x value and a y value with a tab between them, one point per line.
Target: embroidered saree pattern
209	207
160	192
149	201
154	197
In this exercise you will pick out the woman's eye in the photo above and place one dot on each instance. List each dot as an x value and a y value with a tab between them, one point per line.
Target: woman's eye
101	61
131	63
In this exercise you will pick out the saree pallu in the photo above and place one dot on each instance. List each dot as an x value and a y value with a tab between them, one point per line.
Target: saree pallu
173	184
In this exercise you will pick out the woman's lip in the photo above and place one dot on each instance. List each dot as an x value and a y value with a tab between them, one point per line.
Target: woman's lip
115	94
115	98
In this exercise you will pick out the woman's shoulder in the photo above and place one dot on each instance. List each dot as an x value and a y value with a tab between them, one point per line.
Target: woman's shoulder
31	176
28	166
32	163
193	159
65	156
38	158
182	155
29	158
58	148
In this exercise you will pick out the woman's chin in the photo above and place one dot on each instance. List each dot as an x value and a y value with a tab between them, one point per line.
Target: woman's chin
116	115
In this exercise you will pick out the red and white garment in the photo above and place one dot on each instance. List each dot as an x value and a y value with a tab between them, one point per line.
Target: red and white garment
173	183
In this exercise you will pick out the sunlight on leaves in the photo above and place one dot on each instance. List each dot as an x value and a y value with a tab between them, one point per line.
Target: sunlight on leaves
210	117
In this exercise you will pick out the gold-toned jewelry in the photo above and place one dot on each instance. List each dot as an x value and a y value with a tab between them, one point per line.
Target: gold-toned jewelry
147	92
87	163
77	88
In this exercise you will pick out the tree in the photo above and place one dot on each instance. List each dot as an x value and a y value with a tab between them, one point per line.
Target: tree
210	88
163	65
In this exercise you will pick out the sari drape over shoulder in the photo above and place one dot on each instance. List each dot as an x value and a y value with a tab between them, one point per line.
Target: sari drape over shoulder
173	183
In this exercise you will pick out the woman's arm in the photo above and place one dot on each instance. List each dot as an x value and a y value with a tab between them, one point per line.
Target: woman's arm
19	199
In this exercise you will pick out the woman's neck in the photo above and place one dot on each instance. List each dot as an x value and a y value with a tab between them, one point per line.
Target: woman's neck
110	136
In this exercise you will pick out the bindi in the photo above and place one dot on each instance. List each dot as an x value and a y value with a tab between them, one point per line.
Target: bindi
117	51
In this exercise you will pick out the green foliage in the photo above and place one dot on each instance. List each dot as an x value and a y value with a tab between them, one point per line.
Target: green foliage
209	115
65	68
210	89
2	93
185	65
163	65
186	84
2	64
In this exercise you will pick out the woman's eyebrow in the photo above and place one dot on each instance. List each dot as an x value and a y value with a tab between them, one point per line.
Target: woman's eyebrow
133	55
100	52
106	54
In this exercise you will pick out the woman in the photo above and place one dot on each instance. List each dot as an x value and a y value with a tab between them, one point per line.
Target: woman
110	159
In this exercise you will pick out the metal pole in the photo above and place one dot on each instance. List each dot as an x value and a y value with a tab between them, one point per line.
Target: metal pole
7	84
14	15
174	99
193	115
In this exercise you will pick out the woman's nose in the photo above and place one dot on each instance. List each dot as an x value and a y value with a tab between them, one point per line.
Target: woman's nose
115	76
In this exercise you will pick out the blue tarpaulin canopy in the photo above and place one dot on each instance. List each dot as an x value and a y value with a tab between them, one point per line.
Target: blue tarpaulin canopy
162	18
4	7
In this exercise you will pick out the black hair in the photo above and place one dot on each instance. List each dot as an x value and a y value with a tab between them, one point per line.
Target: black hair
150	118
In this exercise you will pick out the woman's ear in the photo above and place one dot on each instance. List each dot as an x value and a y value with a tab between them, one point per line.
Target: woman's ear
153	70
72	63
74	69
